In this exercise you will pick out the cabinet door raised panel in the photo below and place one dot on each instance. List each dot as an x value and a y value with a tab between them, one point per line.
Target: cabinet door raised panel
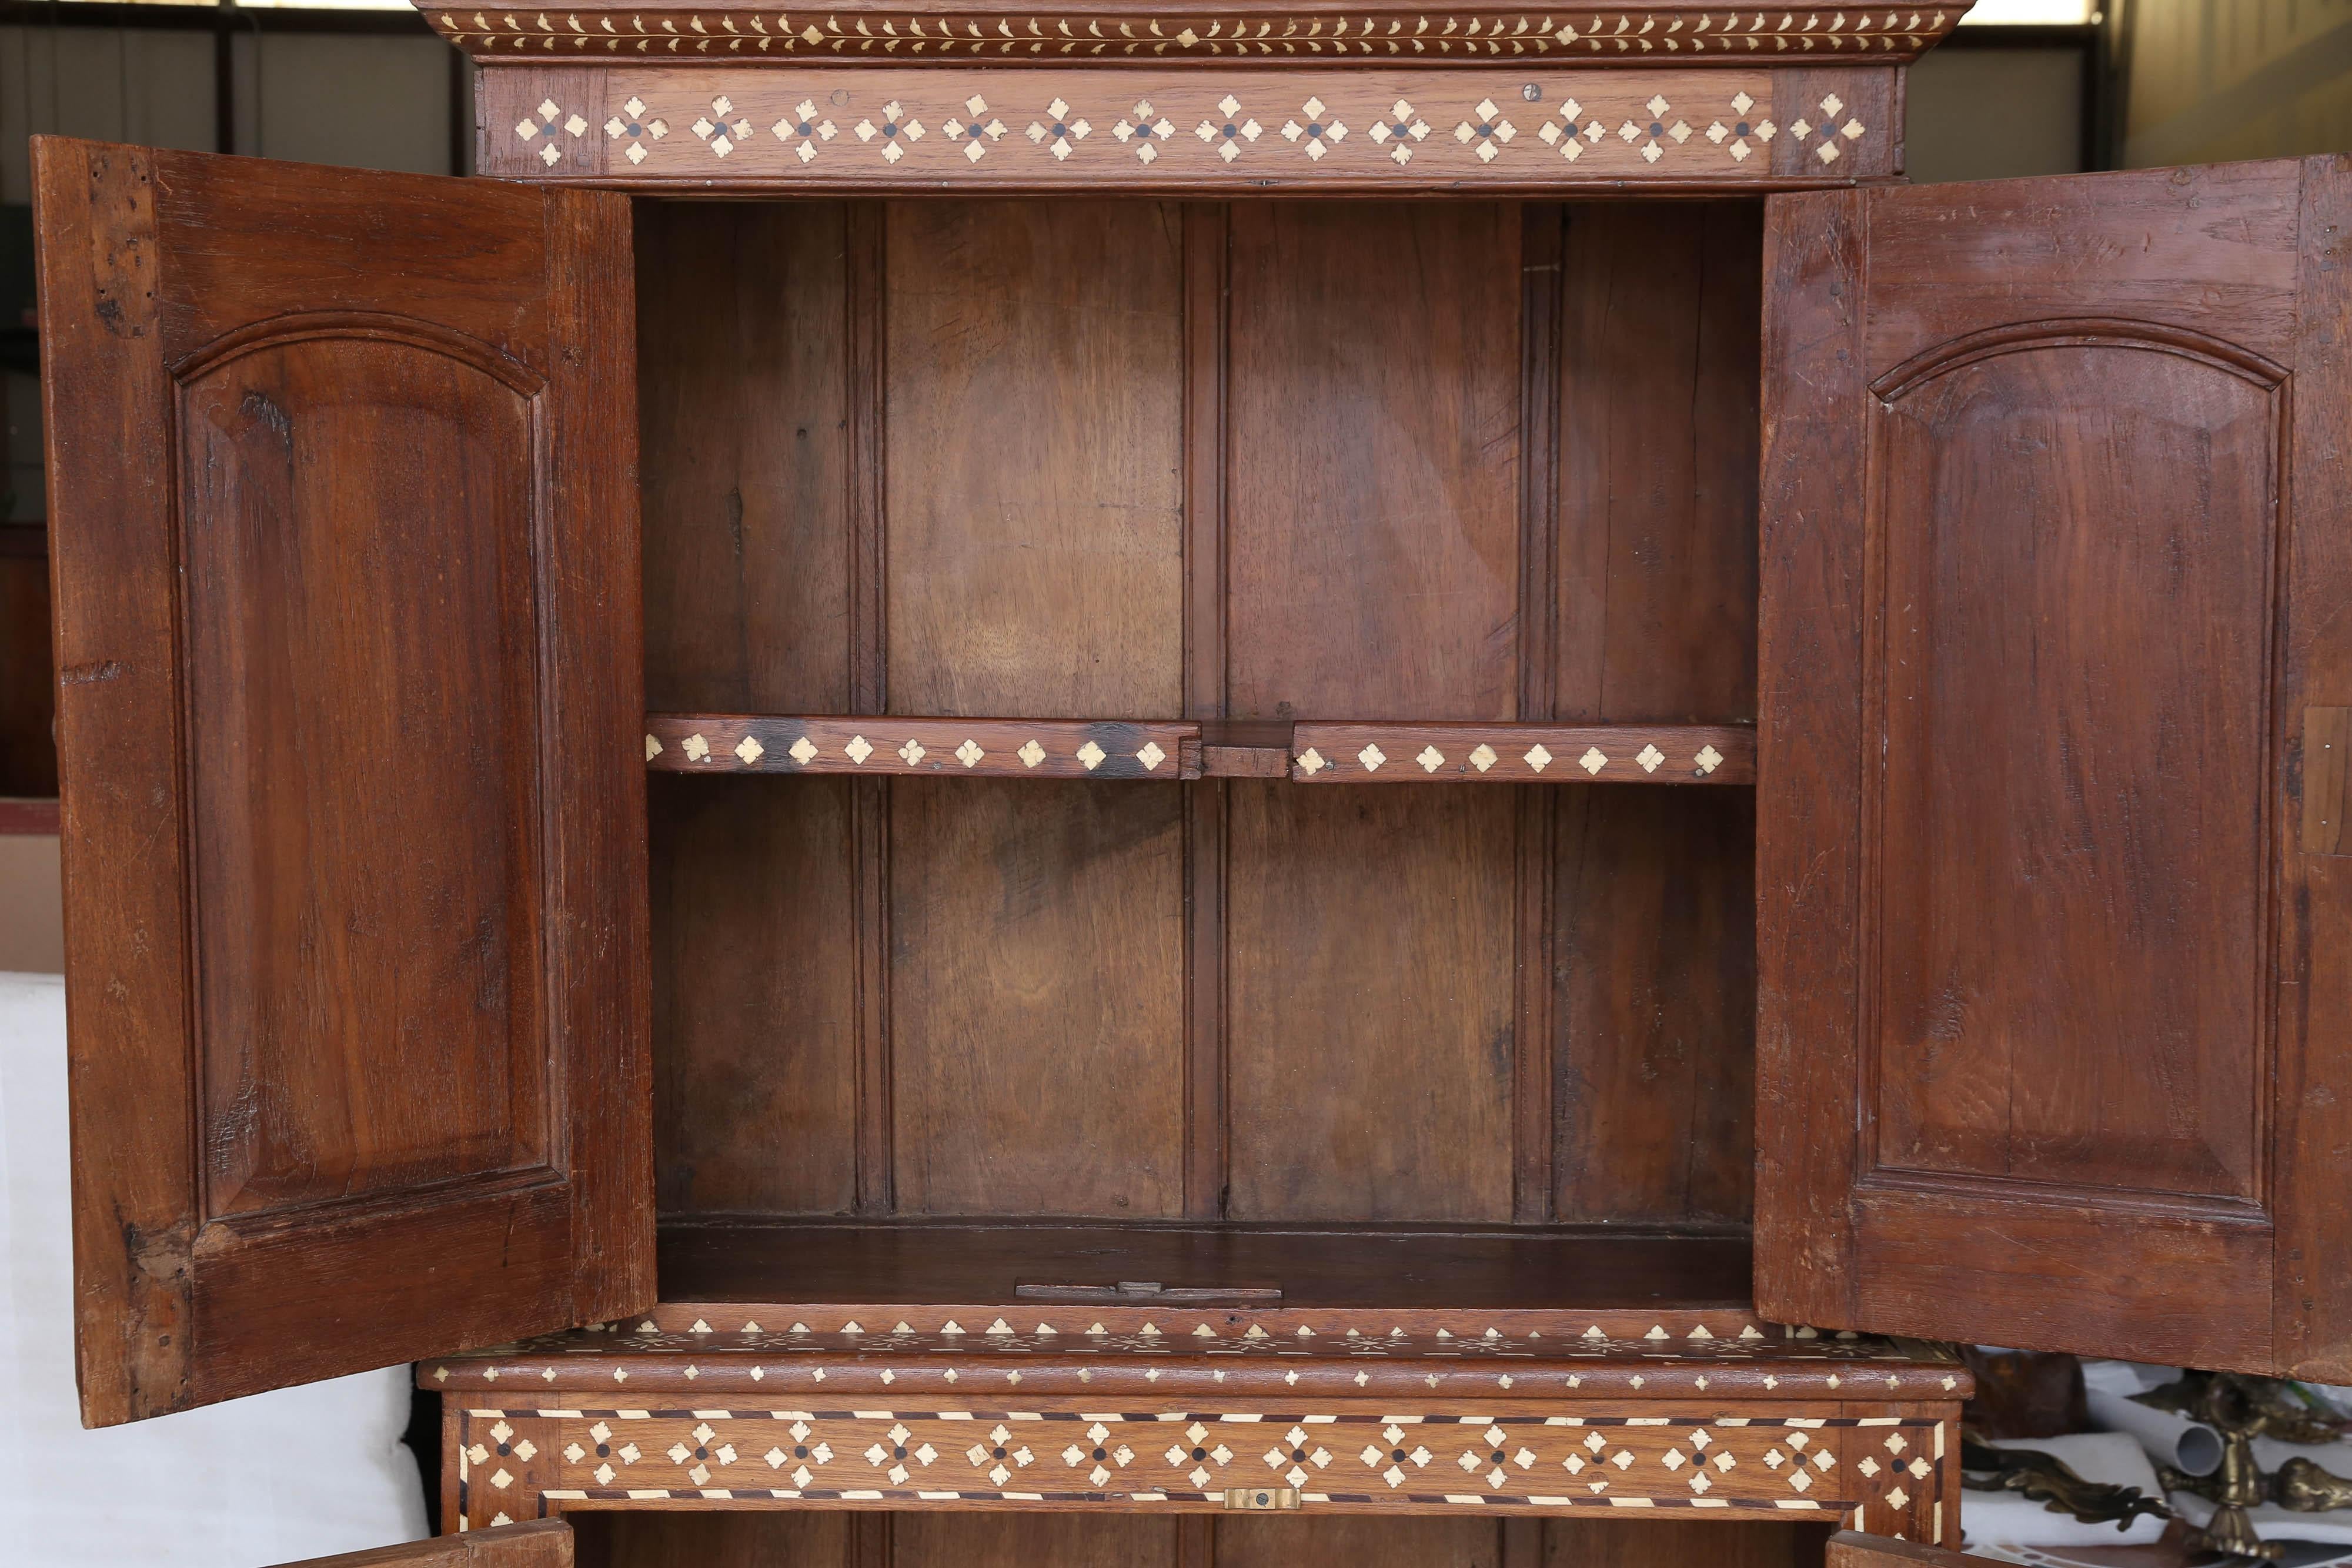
2052	980
342	476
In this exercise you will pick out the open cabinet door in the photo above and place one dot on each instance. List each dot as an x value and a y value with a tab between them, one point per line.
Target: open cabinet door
1848	1550
544	1544
344	536
2054	884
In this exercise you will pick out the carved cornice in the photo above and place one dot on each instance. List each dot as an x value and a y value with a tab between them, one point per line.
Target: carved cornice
902	34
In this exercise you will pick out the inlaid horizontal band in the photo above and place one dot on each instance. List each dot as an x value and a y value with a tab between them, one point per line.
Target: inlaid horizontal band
987	748
788	127
1582	30
1522	754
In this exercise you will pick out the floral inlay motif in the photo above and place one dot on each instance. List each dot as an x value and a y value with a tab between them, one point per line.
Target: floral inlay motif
633	125
1060	131
802	128
723	128
1487	133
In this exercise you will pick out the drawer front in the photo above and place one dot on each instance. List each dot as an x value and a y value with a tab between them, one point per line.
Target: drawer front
1885	1468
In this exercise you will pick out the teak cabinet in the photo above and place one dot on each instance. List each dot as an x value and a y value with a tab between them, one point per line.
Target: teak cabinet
1036	832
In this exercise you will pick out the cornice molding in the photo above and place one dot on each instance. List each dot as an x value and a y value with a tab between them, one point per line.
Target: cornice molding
900	33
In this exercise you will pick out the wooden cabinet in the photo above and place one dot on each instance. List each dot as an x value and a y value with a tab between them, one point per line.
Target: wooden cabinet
790	794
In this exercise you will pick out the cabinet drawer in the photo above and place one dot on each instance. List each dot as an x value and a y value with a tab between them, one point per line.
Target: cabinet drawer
1888	1469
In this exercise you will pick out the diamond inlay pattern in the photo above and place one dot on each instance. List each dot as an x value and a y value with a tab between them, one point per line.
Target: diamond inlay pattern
1523	1457
997	748
1369	753
1123	128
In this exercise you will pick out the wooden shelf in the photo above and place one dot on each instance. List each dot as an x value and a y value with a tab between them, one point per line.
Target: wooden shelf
1522	754
1350	1270
1308	752
984	748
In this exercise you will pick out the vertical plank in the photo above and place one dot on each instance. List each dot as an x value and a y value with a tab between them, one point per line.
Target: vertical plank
1028	1540
1543	234
755	1085
1374	529
1372	957
1656	970
1646	1543
743	347
1035	497
812	1538
1271	1541
866	303
1809	713
114	562
2327	781
1026	1083
1035	564
1658	432
1207	248
2312	1120
744	410
1374	461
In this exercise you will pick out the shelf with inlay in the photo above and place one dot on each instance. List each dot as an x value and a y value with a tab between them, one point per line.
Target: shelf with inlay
1371	753
1311	752
985	747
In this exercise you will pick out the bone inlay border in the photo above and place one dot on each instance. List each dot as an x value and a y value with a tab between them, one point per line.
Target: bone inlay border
1522	754
1789	1462
1150	130
1016	749
1577	31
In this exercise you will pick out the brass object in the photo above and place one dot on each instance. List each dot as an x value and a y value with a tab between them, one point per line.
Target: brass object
2302	1485
1260	1499
2041	1477
2241	1408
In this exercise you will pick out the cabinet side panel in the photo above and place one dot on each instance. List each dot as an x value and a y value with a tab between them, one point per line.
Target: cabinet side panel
1372	1019
1658	435
2314	1143
743	403
1372	478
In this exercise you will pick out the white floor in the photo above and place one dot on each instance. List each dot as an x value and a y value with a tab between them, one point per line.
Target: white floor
302	1473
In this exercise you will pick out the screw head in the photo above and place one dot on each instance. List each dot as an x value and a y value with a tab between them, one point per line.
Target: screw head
1532	93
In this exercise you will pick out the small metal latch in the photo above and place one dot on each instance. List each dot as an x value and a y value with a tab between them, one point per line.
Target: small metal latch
1256	1499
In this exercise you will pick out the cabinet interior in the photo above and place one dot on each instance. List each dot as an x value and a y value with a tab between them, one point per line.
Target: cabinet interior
709	1539
955	1040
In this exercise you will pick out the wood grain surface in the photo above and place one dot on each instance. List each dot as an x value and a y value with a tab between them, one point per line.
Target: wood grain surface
358	999
2036	983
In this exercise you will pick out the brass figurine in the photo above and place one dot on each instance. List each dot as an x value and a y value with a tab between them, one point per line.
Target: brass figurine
2241	1408
2041	1477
